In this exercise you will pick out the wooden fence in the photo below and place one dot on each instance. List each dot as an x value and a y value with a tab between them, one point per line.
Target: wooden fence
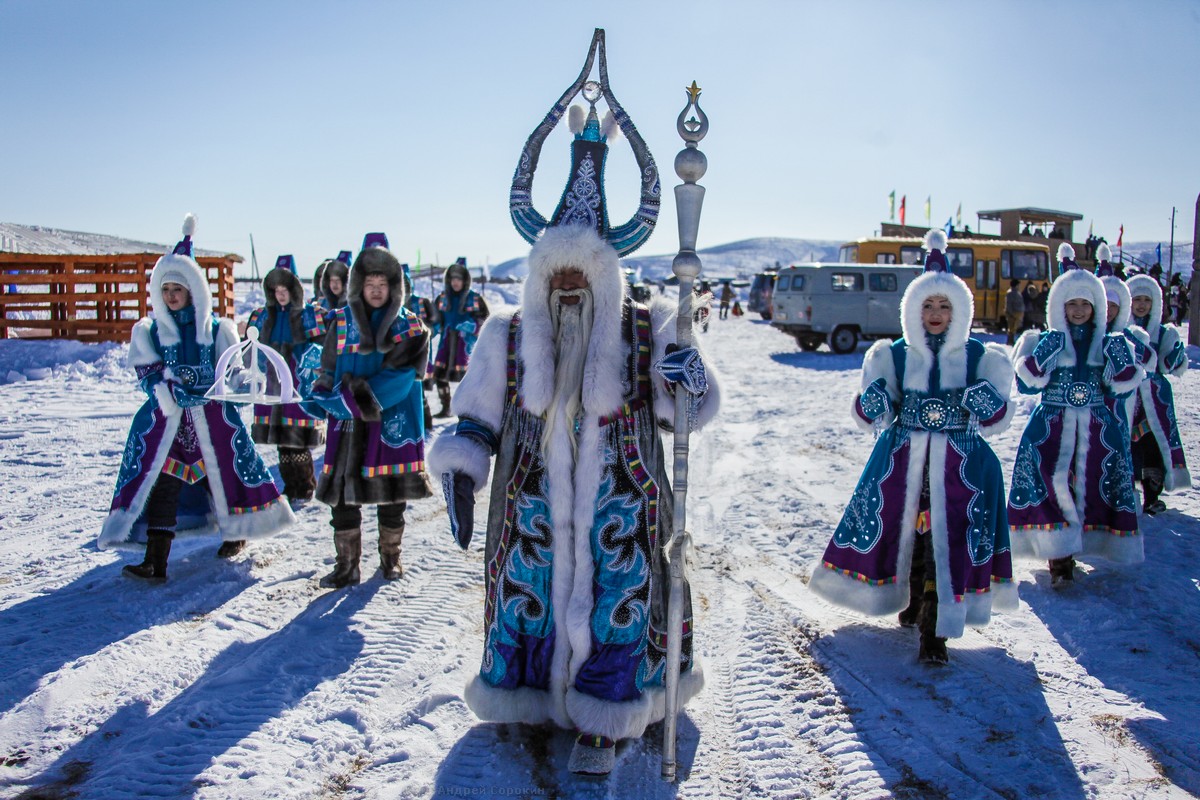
92	298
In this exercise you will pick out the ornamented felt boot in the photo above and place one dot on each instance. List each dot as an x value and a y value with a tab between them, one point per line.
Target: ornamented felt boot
592	755
348	546
389	552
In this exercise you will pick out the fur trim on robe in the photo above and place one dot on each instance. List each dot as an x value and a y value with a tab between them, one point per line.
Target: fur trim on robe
573	477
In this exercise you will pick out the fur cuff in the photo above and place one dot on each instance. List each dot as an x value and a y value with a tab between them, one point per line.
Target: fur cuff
994	367
1178	478
364	398
273	519
1022	351
490	704
453	453
851	593
166	403
1039	543
628	720
1121	549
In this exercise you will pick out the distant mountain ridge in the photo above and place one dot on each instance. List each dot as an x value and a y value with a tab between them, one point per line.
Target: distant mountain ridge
744	257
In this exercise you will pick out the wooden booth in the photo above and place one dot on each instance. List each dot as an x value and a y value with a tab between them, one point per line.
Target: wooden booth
91	298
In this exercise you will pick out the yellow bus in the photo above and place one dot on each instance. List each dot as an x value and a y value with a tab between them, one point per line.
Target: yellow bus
987	266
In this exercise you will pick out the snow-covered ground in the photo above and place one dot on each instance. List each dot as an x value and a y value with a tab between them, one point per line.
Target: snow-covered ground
244	679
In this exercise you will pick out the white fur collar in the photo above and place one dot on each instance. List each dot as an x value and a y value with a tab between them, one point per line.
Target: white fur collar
953	355
197	284
1071	285
1144	285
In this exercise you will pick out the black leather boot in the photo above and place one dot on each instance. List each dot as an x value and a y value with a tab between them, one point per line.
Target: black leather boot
154	567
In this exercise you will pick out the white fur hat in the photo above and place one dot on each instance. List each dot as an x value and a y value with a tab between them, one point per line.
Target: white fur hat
180	267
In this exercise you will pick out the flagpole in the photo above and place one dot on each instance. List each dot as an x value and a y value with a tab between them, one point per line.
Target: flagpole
690	166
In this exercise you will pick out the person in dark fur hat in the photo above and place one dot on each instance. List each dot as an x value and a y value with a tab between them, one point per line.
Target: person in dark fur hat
370	390
461	311
289	326
329	283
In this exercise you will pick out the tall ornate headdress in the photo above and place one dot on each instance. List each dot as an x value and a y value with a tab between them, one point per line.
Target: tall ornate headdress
582	201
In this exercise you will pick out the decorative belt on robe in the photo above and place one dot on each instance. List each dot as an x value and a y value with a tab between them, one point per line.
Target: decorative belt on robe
942	411
1069	391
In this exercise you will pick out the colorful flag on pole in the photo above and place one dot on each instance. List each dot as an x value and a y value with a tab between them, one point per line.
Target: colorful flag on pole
949	227
1090	228
1121	236
892	206
1158	253
928	209
958	217
903	198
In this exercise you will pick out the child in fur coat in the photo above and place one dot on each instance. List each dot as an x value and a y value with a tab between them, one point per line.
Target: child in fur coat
190	466
925	533
1072	489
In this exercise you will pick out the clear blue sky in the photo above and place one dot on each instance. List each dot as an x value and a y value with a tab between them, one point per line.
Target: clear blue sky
308	124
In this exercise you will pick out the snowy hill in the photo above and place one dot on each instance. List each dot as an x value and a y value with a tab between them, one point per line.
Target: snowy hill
39	240
742	258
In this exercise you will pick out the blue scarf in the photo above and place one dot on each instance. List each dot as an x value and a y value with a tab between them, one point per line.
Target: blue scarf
185	321
935	342
282	332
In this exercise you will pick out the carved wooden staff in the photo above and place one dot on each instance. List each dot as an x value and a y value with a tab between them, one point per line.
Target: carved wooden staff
690	166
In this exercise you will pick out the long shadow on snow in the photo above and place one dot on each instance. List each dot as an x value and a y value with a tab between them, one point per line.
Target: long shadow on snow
498	759
160	755
823	362
1134	628
979	724
101	607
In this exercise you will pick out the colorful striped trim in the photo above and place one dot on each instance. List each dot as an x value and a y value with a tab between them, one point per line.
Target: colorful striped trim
858	576
253	509
594	740
393	469
339	319
188	473
924	524
642	332
287	421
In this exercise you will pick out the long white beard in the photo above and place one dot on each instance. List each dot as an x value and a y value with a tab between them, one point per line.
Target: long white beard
572	334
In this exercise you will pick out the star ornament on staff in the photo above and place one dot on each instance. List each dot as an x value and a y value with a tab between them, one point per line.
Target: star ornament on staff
690	166
248	372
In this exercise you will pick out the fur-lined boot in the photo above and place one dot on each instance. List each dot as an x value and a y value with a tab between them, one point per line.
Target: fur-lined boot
348	546
592	755
389	552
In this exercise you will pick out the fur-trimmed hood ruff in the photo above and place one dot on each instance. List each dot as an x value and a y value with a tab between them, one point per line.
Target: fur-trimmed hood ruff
1146	286
574	247
953	361
332	268
281	276
456	270
1072	285
1115	288
182	269
374	261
